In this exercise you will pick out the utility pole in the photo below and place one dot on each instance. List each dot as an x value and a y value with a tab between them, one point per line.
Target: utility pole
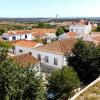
56	18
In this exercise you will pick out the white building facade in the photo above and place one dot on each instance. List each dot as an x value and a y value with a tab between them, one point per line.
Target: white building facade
47	58
50	59
80	28
17	36
52	54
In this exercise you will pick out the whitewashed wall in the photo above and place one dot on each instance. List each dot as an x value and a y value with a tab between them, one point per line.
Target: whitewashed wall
24	49
80	29
18	37
51	56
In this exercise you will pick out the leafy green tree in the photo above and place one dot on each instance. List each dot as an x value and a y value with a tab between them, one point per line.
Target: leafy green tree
43	25
2	31
98	29
59	31
63	81
85	59
17	83
5	44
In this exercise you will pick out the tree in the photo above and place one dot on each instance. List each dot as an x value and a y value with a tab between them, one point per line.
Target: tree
98	29
63	81
85	59
65	29
59	31
5	44
17	83
2	31
43	25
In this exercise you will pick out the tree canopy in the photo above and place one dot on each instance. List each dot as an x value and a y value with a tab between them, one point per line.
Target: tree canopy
2	31
17	83
43	25
63	81
5	44
97	29
85	59
61	30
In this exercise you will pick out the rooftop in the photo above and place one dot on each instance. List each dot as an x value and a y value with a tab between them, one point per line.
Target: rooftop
95	33
25	59
71	34
97	38
39	34
42	30
18	32
58	47
26	43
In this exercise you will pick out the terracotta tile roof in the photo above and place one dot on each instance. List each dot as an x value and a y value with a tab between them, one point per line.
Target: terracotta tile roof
97	38
26	43
72	34
58	47
39	30
39	34
12	43
95	33
25	59
18	32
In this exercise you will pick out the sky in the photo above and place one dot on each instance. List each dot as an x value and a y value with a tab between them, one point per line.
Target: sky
49	8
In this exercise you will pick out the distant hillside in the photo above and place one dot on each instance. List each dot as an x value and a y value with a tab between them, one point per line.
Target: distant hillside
35	20
29	20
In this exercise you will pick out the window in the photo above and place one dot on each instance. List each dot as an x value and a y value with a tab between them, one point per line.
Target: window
30	53
25	36
14	38
46	59
20	37
71	30
55	61
39	57
20	51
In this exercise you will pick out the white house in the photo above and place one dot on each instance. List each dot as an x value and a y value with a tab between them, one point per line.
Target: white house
52	54
51	37
24	46
80	28
17	35
45	34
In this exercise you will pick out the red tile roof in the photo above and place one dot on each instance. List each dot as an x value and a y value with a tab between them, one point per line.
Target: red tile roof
42	30
40	34
25	59
97	38
18	32
72	34
58	47
26	43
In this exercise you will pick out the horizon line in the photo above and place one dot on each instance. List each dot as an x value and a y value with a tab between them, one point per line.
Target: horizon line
58	17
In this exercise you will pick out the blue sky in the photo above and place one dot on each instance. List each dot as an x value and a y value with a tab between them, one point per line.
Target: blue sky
49	8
